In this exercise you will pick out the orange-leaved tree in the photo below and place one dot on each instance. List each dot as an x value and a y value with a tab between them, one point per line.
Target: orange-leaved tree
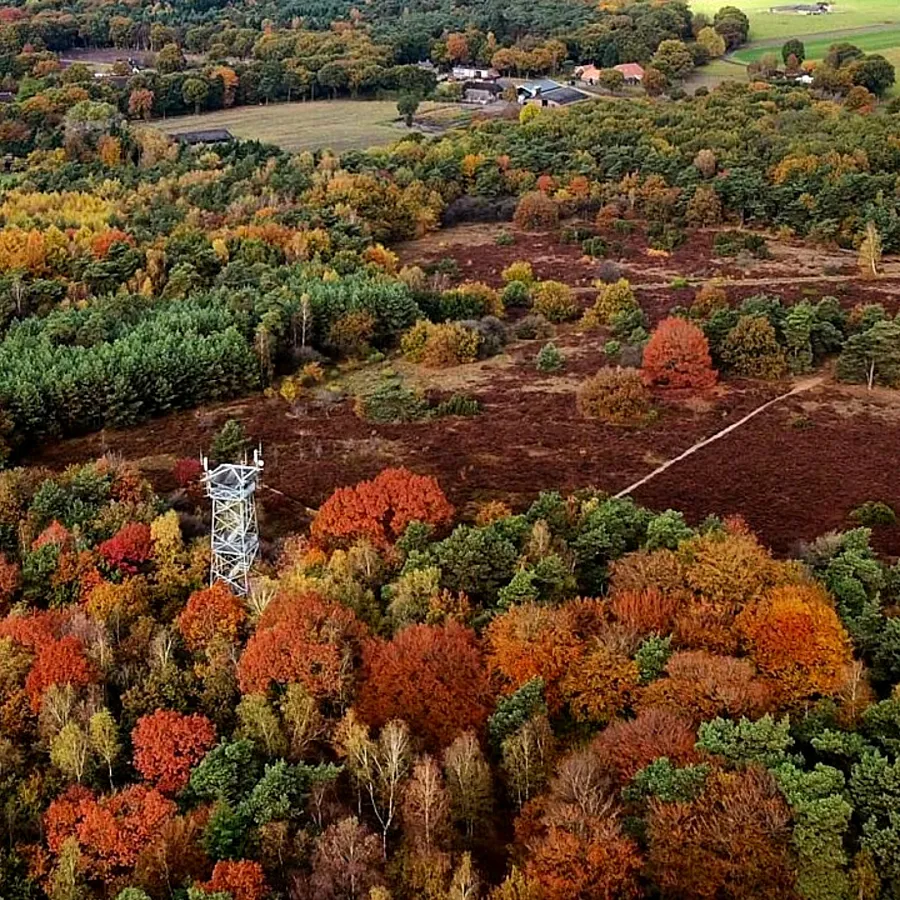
584	859
168	744
431	676
646	611
677	356
381	509
214	612
110	832
796	638
600	684
704	685
533	641
302	639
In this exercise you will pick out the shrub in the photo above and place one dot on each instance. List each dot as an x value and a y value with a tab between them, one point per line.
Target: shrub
504	239
872	513
457	405
549	359
471	300
677	356
608	272
518	271
391	401
665	237
708	299
536	210
532	328
594	246
438	346
229	443
491	335
516	293
630	325
731	243
554	300
751	349
612	299
615	396
351	335
187	471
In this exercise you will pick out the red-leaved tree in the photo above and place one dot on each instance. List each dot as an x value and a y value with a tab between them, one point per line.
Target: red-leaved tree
111	832
244	879
33	631
625	747
129	548
9	580
214	612
59	662
301	639
677	356
381	509
167	745
431	676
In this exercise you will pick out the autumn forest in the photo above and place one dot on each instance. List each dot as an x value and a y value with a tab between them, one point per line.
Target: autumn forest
578	564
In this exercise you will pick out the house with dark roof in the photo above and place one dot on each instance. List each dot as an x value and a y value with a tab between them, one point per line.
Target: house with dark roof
206	136
481	91
546	92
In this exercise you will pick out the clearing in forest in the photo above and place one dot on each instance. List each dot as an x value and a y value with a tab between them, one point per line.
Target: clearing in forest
310	125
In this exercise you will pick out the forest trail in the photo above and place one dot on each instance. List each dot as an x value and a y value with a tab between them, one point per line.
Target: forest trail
799	388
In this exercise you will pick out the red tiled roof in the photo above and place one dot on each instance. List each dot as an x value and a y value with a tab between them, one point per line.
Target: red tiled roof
630	70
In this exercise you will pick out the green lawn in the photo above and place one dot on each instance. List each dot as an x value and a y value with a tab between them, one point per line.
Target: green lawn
816	47
846	14
335	124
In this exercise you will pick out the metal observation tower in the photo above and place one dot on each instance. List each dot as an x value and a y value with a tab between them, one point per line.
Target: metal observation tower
235	532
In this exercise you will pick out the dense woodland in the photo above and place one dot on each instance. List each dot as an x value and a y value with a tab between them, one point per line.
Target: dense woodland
631	706
209	59
583	699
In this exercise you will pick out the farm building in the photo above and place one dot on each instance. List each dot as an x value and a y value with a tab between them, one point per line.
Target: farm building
804	9
546	92
473	73
634	74
206	136
481	91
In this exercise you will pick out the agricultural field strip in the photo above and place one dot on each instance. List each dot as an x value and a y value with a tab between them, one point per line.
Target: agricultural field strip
871	40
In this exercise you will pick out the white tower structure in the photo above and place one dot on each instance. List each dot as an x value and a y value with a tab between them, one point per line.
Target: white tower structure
235	533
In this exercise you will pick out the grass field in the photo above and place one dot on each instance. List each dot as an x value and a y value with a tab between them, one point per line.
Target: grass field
882	41
335	124
846	14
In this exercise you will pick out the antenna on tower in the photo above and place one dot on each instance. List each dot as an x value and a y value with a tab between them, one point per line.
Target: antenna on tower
235	532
